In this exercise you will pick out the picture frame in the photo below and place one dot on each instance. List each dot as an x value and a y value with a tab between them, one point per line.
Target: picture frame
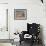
20	14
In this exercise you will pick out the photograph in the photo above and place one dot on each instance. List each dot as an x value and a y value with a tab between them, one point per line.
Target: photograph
22	22
20	14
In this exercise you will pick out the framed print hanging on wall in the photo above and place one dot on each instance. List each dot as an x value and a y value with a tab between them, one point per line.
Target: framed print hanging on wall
20	14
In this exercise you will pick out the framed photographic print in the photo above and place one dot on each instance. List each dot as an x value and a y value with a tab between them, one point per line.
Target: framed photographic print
20	14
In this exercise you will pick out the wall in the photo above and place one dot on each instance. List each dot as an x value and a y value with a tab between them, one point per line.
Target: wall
45	14
3	1
35	14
